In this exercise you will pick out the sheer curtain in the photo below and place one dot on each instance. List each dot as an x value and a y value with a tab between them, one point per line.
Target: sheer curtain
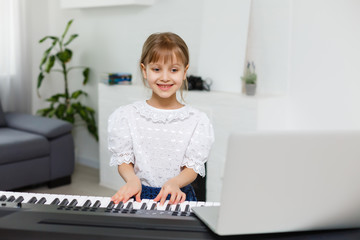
15	74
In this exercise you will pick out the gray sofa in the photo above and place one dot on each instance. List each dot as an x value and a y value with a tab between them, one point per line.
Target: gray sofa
34	150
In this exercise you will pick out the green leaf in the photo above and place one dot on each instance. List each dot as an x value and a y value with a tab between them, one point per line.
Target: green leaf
51	37
70	110
40	79
64	56
86	75
45	56
72	37
70	118
50	63
43	112
51	113
77	93
93	130
83	114
55	98
60	110
67	28
89	109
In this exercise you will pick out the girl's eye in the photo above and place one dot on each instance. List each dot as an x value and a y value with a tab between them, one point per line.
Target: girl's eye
174	70
156	69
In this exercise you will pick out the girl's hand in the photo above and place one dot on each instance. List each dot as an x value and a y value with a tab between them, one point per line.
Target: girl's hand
131	188
170	187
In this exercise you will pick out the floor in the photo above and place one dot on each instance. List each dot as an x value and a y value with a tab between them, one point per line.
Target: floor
84	181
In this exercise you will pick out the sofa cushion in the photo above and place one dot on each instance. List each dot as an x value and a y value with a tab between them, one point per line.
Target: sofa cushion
17	145
48	127
2	117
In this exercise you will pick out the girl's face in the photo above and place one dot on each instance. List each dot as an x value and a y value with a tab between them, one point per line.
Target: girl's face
165	78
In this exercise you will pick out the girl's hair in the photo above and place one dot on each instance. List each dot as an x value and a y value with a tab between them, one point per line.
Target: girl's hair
163	46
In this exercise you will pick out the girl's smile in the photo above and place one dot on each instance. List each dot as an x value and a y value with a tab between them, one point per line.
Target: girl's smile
165	87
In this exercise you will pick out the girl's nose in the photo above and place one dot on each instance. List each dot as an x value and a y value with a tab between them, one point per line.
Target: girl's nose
165	76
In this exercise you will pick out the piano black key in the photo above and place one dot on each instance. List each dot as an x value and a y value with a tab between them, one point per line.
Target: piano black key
32	200
119	206
168	207
41	201
87	203
153	206
3	198
73	203
19	199
177	208
129	206
187	208
11	199
143	206
64	202
110	205
96	204
55	201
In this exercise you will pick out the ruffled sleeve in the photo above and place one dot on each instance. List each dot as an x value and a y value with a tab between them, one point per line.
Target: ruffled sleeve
198	150
119	138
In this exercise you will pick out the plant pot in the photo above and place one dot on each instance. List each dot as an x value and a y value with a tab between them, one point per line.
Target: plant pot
250	89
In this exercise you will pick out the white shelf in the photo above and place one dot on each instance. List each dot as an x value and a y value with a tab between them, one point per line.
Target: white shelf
103	3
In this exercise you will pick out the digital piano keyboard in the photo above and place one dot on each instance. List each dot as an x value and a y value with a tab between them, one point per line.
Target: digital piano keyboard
34	215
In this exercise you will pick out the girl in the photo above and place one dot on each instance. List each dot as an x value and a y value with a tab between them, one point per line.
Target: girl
160	145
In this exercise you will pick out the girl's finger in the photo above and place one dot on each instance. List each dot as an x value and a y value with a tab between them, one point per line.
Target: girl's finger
183	198
163	197
178	198
158	197
137	197
172	198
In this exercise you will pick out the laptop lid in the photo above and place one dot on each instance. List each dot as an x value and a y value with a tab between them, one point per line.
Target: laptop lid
289	181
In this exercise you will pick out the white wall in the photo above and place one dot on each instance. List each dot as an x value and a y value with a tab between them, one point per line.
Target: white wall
307	51
324	86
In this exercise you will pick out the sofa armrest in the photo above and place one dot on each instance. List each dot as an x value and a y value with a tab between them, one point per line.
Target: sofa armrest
47	127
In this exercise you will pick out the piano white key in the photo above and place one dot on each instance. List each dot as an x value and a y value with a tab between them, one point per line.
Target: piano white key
208	204
183	206
163	207
216	204
105	202
81	200
137	205
150	204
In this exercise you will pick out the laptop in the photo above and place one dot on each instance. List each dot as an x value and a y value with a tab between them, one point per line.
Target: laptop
288	181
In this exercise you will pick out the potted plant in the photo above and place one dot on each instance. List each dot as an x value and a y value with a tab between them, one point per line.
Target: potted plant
65	105
249	79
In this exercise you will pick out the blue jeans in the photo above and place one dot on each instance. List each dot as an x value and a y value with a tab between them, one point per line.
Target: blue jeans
151	192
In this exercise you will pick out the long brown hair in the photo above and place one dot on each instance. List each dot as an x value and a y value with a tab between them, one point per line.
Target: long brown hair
164	46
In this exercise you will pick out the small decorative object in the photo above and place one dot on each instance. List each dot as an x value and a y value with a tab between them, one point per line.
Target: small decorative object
65	105
197	83
249	79
117	78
